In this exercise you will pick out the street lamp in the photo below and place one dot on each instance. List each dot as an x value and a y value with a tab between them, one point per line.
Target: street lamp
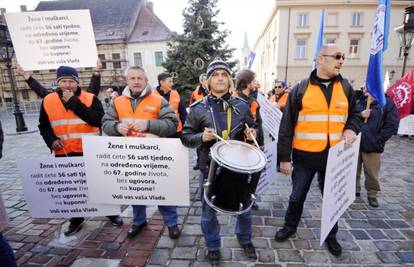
6	55
406	33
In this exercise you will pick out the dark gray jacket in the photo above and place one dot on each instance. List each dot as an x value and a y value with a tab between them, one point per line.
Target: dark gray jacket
200	117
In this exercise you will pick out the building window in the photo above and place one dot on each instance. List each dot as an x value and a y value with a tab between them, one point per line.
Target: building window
138	59
331	20
25	94
356	19
353	48
301	48
102	58
158	58
116	57
330	41
303	20
401	52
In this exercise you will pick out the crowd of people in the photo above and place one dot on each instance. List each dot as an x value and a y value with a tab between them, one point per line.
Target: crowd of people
318	113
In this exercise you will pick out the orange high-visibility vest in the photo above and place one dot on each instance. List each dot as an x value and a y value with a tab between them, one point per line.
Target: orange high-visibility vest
317	121
175	104
282	100
147	109
66	125
253	105
196	95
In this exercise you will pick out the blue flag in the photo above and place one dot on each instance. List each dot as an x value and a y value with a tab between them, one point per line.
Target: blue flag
251	58
320	38
379	43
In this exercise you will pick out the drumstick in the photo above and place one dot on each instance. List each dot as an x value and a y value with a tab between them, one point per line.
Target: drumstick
221	139
254	139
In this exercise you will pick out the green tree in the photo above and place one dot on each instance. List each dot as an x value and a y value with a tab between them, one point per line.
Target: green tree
190	53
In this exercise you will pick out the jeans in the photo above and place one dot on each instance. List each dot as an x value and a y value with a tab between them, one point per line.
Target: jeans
201	178
211	227
169	214
301	181
6	253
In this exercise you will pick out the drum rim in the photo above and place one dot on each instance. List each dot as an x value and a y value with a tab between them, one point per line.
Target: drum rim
252	197
259	152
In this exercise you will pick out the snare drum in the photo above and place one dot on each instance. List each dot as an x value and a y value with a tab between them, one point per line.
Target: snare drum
230	187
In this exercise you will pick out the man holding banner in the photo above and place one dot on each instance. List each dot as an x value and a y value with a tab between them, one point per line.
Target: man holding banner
138	112
94	85
320	111
66	116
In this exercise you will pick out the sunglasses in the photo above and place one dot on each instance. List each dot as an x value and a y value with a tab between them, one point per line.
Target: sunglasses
336	56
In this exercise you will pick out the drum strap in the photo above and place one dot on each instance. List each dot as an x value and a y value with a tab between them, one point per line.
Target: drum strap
216	116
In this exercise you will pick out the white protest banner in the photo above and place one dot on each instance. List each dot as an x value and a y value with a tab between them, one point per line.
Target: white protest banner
268	174
56	188
406	125
339	186
49	39
142	171
271	116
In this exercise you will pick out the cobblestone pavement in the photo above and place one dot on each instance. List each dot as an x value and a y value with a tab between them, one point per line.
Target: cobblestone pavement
381	236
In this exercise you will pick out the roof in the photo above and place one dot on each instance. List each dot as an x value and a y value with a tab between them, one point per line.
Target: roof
114	21
149	28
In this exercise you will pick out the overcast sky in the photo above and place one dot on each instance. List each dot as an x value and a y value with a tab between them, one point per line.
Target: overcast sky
239	16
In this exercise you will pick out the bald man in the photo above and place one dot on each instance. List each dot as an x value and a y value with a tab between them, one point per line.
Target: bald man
320	112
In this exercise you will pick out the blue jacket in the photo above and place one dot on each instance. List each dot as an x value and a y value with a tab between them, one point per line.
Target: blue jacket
381	125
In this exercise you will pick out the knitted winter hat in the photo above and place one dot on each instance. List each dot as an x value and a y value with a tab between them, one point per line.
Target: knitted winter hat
217	64
66	72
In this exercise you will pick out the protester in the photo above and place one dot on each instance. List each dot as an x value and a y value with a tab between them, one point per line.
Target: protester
136	113
6	252
381	124
201	90
206	119
165	89
246	86
7	258
65	116
110	96
94	85
198	94
280	95
309	127
256	87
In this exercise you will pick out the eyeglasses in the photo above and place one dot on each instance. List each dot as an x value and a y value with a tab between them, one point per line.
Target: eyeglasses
336	56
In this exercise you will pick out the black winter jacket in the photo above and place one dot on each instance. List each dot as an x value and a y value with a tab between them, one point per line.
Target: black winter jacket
312	160
381	125
200	117
91	116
